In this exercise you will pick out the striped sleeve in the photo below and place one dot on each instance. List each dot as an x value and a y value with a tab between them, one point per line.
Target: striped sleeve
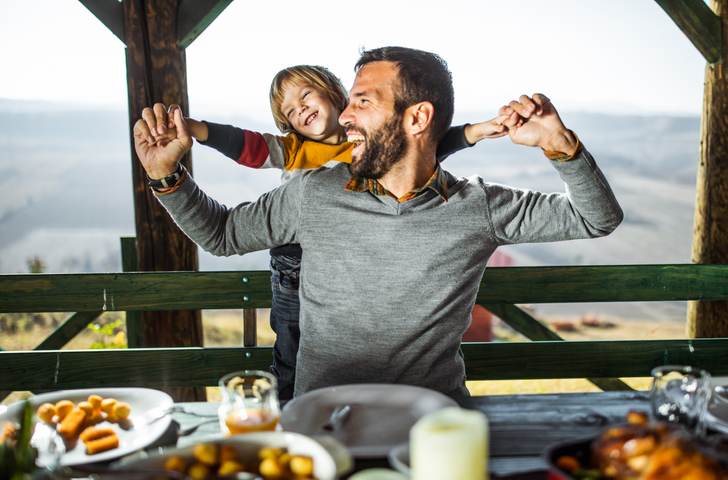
252	149
263	150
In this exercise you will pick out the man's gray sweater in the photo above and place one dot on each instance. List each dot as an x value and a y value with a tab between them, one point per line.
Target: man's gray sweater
387	288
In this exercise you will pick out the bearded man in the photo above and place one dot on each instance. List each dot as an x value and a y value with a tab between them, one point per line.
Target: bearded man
394	247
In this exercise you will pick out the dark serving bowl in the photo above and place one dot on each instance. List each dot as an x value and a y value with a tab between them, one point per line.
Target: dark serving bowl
579	449
715	447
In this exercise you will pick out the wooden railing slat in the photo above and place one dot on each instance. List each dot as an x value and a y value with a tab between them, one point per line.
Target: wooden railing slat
217	290
65	332
484	361
532	329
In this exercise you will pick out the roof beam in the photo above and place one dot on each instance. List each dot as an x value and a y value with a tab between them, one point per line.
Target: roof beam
110	14
699	23
194	16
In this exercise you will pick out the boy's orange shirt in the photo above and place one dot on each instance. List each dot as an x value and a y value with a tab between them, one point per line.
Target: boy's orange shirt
292	154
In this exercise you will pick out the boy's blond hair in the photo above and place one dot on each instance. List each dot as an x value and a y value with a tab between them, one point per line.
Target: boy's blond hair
317	77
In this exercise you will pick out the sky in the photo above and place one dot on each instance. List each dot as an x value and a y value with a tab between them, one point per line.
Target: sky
617	56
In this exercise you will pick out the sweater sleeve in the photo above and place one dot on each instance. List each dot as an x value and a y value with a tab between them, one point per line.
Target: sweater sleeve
248	148
453	141
587	209
270	221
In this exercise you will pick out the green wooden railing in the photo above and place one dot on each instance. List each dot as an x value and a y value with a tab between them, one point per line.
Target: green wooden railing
90	294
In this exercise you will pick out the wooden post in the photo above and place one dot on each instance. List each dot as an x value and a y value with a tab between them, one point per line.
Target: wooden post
156	72
710	232
129	263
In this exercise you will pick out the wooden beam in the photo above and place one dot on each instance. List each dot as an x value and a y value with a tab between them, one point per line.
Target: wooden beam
110	13
157	72
133	319
531	328
250	327
195	16
217	290
698	22
175	367
710	229
65	332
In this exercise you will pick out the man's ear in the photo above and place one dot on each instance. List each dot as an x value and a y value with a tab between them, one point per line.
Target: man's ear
418	118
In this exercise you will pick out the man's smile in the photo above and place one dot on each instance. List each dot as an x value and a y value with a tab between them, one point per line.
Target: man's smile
354	136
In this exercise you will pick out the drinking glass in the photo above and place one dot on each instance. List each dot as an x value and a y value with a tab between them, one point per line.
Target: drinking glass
249	402
680	394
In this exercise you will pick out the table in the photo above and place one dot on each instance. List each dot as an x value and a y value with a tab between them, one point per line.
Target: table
521	426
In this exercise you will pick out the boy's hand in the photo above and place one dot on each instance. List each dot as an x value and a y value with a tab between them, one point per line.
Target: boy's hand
492	128
534	121
160	116
160	159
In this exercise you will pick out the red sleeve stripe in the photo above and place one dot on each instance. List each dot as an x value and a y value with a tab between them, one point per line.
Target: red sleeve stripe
255	150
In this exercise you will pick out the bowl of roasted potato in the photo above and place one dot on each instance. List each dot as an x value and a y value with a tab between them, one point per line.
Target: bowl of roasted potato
257	456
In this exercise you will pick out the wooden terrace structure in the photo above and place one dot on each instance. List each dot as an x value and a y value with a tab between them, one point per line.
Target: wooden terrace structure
162	292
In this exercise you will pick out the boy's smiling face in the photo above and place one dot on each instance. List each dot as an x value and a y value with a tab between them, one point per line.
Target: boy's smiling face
310	113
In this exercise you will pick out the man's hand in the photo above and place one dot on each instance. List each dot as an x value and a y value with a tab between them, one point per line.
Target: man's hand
158	153
533	121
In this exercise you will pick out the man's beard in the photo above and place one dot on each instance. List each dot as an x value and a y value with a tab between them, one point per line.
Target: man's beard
383	148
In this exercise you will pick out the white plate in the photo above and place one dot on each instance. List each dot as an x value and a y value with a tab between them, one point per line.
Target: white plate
381	414
138	435
247	446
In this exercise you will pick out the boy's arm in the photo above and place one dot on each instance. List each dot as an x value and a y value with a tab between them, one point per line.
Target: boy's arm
453	141
464	136
248	148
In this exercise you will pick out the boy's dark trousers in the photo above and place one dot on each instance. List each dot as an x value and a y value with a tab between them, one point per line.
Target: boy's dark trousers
284	313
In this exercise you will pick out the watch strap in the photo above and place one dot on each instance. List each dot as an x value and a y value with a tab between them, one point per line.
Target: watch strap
169	181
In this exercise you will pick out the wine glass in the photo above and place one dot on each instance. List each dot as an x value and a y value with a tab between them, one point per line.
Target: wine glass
249	402
680	394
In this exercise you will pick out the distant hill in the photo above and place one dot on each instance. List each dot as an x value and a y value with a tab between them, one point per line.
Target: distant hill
66	181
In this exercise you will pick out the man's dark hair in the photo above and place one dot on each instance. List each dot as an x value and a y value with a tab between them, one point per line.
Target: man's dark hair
423	77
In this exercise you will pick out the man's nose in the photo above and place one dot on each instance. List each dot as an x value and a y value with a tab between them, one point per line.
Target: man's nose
346	117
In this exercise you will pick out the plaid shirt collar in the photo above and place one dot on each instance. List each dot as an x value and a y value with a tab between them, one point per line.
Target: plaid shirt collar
437	183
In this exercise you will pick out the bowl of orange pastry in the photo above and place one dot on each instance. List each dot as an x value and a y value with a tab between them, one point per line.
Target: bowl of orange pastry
98	424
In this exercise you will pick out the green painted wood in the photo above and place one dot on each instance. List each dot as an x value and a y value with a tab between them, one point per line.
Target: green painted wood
71	327
520	321
612	283
216	290
593	359
65	332
699	23
144	367
250	327
531	328
195	16
130	263
109	12
134	291
484	361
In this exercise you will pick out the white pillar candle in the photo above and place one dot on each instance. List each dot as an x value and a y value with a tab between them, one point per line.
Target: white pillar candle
452	444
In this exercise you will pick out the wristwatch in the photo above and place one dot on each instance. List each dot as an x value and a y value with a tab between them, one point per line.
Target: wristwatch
168	181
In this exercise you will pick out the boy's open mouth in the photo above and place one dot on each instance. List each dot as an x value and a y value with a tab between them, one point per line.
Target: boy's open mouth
310	118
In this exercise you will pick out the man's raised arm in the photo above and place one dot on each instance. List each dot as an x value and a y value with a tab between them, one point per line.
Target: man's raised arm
588	208
270	221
